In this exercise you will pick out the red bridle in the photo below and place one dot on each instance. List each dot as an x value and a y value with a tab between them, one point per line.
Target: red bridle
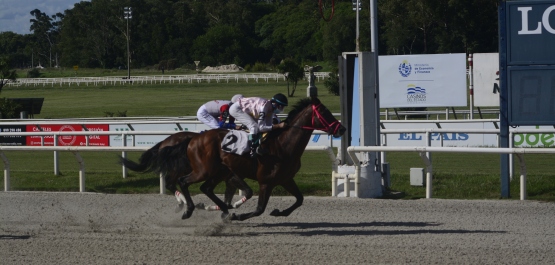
327	125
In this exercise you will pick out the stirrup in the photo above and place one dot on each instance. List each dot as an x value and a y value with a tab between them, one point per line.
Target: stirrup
261	151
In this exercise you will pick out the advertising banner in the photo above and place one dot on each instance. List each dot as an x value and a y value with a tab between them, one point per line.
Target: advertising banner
12	140
449	139
150	140
466	139
68	140
534	139
431	80
485	67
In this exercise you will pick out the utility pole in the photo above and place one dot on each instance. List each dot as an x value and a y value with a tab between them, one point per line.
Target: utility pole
356	7
127	15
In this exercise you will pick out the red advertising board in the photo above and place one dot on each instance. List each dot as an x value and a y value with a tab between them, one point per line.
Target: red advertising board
65	140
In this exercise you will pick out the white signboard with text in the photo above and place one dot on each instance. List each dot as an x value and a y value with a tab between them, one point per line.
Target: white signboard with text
430	80
151	140
449	139
462	139
485	67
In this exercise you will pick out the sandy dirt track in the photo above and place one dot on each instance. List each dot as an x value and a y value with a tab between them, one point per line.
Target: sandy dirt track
88	228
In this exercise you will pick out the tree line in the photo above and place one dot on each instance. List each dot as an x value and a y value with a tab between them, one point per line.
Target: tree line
245	32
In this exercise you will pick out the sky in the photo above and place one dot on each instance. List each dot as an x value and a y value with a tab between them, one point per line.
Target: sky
15	14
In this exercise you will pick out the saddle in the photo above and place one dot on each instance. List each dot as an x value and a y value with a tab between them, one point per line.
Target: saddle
237	142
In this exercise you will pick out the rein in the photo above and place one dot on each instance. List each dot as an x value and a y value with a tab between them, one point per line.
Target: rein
326	125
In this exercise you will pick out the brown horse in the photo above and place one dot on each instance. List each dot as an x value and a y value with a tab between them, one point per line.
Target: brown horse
167	158
277	168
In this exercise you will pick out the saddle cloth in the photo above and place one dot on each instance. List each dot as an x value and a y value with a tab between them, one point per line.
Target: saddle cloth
236	142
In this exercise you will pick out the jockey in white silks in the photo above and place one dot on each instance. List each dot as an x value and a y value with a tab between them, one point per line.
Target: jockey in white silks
216	112
257	115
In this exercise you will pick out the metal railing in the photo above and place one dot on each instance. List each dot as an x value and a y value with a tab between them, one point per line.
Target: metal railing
124	149
156	79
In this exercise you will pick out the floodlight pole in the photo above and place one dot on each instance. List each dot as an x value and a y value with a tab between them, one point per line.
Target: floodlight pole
127	15
356	7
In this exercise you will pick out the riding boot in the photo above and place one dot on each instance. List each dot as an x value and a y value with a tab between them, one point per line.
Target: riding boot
253	140
255	145
260	150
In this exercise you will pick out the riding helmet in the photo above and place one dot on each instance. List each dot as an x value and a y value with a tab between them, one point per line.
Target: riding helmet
280	99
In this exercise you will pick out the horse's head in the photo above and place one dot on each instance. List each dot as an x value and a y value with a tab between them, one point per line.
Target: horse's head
320	117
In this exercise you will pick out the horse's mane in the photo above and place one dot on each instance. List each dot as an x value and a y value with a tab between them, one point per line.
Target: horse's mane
297	108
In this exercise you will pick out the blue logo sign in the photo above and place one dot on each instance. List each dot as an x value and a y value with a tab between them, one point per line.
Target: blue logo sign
412	89
405	68
416	94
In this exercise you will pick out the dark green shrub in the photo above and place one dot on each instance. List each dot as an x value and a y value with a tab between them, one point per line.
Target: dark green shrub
332	83
259	67
9	109
34	73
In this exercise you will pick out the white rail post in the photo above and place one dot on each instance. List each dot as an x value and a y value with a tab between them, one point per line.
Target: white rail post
428	174
471	86
511	156
6	172
124	154
81	171
522	176
429	167
162	183
56	159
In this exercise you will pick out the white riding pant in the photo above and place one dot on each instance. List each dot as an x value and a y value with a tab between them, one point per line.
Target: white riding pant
206	118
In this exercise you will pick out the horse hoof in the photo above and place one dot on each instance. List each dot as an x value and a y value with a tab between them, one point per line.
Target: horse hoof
227	218
275	212
186	215
234	217
200	205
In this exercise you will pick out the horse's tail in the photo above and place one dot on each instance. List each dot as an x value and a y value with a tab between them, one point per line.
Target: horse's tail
146	161
173	159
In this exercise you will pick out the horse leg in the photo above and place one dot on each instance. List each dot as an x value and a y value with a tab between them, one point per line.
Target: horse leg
184	183
228	196
263	198
237	182
208	188
230	190
231	187
171	185
292	188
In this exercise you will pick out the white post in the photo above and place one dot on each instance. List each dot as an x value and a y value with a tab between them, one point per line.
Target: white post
56	160
522	177
81	171
471	86
511	157
124	154
6	171
162	183
428	174
429	167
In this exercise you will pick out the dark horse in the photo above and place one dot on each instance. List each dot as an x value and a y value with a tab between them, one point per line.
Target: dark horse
277	168
167	158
